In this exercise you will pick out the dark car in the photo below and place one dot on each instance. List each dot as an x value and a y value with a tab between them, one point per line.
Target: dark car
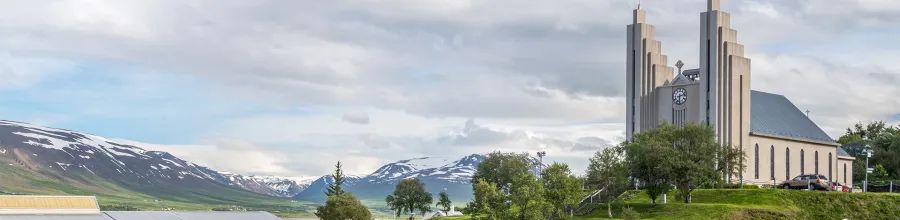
809	181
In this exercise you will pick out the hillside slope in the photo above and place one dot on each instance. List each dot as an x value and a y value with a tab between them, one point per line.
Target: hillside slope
41	160
762	204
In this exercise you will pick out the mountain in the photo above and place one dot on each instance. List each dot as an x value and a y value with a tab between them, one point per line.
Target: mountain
70	162
268	185
438	174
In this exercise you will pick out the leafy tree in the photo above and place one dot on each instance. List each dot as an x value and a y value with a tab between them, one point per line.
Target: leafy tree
343	207
410	196
335	189
444	202
692	163
561	188
686	156
489	202
882	138
607	170
526	194
510	174
649	157
502	169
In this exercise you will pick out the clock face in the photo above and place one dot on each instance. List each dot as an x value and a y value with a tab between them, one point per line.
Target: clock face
679	96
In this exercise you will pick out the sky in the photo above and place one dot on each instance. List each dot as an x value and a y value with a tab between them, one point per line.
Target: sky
289	87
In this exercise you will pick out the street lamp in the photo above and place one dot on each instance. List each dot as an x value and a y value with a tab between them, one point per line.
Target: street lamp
541	155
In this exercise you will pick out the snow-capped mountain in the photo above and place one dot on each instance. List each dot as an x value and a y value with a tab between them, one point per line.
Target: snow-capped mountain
69	156
438	173
269	185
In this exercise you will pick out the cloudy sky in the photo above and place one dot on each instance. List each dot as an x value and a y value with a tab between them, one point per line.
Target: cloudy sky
288	87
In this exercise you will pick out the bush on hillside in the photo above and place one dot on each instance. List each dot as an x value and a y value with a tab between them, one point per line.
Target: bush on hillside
628	213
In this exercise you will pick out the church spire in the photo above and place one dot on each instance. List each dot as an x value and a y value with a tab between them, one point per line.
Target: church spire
712	5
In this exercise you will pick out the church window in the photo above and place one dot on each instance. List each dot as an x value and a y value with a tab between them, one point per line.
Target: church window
756	162
772	162
845	173
816	165
787	163
829	166
802	163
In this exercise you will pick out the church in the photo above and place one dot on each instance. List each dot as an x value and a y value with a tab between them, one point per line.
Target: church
780	142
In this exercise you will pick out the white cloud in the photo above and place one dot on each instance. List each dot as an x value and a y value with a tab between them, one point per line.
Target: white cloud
415	70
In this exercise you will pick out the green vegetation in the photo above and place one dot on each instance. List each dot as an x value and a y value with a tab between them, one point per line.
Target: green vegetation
506	188
409	197
444	202
342	205
756	204
18	180
884	140
680	156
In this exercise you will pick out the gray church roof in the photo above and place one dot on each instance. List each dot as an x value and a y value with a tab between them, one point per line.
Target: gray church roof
842	152
775	115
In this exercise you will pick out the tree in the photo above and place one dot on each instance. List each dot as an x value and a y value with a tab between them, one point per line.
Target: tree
410	196
489	202
561	188
507	177
502	169
649	157
343	207
695	158
608	171
882	138
444	202
686	156
335	189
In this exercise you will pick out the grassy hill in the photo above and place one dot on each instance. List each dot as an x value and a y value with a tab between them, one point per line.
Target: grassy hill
759	204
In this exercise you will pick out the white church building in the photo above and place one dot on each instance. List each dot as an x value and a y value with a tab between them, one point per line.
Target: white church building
779	141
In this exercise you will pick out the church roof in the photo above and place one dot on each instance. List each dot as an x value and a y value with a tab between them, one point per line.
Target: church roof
842	152
775	115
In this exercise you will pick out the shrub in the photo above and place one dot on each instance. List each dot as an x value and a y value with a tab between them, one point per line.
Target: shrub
629	214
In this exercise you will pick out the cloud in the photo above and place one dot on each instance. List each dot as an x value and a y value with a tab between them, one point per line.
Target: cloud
356	117
548	74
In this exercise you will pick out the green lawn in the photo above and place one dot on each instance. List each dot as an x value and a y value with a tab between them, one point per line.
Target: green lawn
758	204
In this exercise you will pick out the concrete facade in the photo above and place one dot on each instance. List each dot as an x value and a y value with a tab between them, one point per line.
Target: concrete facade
718	94
793	157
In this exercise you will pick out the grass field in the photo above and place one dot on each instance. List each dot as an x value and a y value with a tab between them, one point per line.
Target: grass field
758	204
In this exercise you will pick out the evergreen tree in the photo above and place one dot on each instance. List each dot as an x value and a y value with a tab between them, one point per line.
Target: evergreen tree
444	201
334	189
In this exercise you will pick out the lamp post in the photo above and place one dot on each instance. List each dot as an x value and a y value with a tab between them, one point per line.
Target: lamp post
541	155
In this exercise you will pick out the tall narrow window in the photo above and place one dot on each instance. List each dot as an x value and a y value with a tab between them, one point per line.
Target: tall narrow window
816	164
756	162
829	167
802	163
787	163
772	162
845	173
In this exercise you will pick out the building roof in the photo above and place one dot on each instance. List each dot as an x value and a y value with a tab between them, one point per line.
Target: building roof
148	215
774	114
842	152
165	215
51	205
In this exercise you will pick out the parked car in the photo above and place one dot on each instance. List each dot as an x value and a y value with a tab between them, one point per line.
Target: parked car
809	181
837	186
